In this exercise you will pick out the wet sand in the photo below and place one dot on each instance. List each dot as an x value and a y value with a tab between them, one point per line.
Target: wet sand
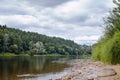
91	70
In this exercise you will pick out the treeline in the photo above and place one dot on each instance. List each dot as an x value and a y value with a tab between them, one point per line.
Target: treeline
16	41
108	48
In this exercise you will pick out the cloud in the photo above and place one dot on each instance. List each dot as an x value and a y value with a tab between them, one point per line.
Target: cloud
46	3
76	8
78	20
87	38
18	20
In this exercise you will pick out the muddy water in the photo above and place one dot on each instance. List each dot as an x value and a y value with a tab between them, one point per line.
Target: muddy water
33	68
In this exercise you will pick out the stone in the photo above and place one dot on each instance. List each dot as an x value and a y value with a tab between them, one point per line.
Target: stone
91	77
106	72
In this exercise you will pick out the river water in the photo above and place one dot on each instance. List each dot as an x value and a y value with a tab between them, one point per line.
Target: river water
34	68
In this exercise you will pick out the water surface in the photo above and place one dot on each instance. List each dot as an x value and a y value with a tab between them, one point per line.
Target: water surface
33	68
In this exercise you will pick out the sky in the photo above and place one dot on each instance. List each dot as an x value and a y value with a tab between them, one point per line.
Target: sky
77	20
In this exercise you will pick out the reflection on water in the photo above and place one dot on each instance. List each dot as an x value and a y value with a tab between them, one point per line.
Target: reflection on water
31	68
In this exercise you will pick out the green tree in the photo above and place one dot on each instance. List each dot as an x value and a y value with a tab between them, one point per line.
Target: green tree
6	42
112	22
108	48
37	48
17	41
14	48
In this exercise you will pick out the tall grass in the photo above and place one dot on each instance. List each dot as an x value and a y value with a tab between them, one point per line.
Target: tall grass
108	51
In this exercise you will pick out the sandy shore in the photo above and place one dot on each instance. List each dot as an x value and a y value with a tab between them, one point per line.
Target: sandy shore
91	70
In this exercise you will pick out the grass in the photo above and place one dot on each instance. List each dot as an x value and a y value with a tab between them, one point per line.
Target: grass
7	54
108	51
54	55
23	54
13	54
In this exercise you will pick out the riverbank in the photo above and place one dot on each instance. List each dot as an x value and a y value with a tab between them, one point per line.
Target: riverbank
13	54
91	70
28	54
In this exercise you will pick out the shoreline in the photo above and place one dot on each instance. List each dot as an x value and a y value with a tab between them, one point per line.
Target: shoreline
82	69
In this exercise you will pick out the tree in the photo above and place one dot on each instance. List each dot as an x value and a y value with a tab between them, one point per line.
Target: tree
37	48
112	22
14	48
6	42
1	43
17	41
108	48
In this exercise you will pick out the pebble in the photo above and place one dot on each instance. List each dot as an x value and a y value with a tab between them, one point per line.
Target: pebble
92	77
89	71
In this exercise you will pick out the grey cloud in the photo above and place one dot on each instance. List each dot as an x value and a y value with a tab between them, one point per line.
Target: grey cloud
17	25
12	11
100	6
12	7
80	20
47	22
46	3
15	7
75	20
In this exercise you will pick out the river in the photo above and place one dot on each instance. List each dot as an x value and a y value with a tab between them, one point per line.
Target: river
34	68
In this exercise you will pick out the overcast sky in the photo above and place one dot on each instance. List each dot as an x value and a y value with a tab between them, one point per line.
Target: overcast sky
78	20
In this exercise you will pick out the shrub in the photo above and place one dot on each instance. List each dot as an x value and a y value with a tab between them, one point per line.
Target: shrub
108	51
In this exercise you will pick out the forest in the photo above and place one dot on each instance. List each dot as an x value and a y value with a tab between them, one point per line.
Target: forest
17	42
107	49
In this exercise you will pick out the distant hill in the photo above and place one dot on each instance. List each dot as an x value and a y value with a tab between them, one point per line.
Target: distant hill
17	41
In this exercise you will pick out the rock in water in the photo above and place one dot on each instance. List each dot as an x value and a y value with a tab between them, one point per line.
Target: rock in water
106	72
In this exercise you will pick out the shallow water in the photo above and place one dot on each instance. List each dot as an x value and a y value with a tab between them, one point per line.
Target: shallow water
33	68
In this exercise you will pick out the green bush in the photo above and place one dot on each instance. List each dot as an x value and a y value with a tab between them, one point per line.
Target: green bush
105	51
115	50
96	51
108	51
7	54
